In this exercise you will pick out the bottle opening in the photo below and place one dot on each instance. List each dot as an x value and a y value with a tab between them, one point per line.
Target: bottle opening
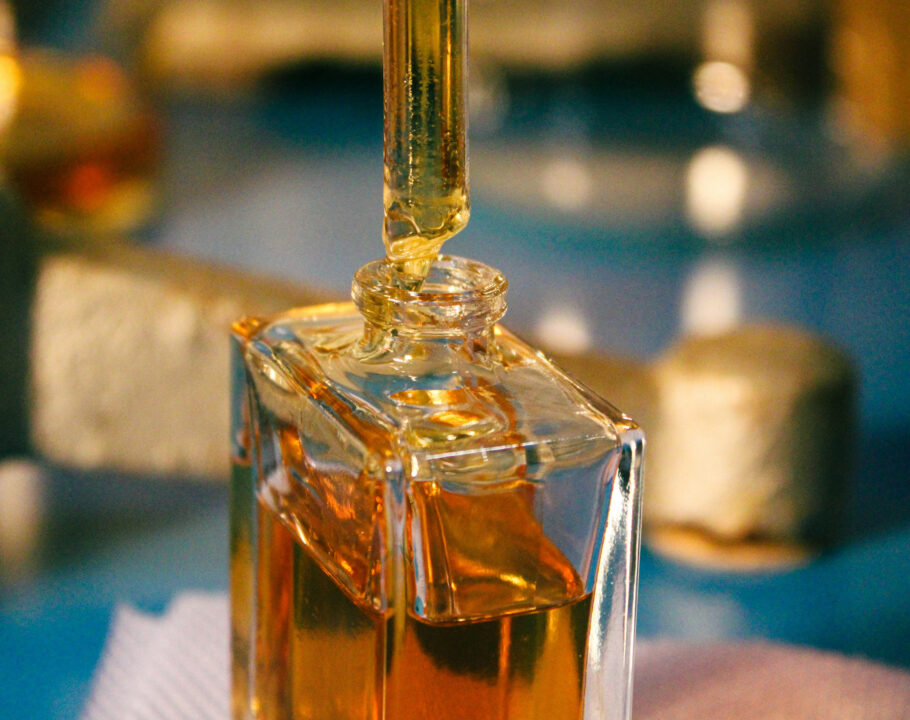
458	294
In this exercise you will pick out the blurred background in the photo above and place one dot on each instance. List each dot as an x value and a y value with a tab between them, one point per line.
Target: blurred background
645	173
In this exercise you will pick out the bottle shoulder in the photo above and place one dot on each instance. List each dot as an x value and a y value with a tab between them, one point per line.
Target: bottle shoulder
452	409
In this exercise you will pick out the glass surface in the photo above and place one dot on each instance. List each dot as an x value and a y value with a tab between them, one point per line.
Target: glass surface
429	517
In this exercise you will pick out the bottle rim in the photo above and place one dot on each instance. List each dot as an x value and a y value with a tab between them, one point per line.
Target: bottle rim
458	294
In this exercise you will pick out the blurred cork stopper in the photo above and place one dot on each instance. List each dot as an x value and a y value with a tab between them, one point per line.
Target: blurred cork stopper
749	455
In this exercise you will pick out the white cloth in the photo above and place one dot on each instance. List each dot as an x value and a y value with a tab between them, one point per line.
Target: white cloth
175	667
169	667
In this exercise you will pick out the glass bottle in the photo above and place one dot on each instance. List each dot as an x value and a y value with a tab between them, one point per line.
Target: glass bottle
429	519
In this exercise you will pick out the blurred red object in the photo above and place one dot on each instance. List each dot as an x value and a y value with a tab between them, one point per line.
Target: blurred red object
83	147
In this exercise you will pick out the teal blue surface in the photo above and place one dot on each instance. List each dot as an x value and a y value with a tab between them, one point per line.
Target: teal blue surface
53	623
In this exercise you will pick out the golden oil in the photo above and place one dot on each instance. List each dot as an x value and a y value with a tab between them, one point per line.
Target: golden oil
322	655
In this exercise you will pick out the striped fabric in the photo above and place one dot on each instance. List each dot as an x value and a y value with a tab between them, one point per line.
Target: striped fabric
173	667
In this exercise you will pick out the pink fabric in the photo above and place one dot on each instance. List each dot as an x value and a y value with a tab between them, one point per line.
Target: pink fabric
175	667
761	681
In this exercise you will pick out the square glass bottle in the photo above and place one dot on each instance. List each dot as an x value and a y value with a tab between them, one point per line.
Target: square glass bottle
429	519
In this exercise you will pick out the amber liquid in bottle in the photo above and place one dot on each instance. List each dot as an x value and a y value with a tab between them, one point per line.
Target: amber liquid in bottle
320	652
322	655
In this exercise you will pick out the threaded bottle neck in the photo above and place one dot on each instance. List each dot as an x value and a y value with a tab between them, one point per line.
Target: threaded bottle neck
459	297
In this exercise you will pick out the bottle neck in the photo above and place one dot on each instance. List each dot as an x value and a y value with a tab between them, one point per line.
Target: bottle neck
459	302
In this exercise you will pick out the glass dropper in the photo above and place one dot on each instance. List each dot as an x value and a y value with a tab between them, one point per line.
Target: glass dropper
425	194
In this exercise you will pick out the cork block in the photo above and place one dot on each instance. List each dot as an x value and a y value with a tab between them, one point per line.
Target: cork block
750	452
128	365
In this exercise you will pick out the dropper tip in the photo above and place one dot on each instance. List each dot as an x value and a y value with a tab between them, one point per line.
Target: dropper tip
410	274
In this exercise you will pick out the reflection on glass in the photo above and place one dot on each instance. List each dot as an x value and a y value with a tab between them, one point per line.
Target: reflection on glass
722	81
21	510
10	72
712	298
564	330
717	180
566	183
721	86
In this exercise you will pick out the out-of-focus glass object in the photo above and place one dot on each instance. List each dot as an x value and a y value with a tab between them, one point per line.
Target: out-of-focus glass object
721	86
563	329
871	58
716	186
10	72
82	148
566	183
712	298
22	509
722	81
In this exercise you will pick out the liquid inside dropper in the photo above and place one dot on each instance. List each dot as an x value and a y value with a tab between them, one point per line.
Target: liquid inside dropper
425	192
